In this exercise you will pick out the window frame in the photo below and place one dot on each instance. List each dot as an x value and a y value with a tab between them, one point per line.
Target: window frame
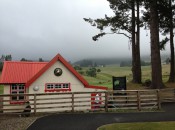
57	87
17	90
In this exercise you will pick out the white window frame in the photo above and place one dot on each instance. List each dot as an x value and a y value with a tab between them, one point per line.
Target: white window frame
17	89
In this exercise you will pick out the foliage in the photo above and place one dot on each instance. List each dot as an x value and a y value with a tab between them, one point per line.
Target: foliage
143	63
98	70
76	67
1	66
86	63
147	83
91	72
118	24
1	89
140	126
23	59
163	43
81	72
104	78
126	64
4	58
129	63
41	60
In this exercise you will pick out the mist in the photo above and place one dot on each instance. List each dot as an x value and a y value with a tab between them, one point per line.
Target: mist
35	29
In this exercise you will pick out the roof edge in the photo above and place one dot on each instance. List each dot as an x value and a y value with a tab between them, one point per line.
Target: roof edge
97	87
58	57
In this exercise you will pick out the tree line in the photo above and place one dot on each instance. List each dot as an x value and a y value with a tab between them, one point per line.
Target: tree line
8	57
131	15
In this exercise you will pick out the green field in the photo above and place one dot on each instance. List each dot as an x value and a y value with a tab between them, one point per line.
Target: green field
104	78
1	89
140	126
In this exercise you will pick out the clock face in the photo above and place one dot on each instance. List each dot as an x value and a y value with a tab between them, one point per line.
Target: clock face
58	72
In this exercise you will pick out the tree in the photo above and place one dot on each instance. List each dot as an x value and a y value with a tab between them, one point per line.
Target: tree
6	58
171	27
122	23
91	72
41	60
155	51
137	45
23	59
167	26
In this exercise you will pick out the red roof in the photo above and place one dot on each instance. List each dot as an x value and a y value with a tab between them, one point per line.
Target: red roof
28	72
19	72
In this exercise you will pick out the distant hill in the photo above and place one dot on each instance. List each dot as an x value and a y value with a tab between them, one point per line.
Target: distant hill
104	61
110	61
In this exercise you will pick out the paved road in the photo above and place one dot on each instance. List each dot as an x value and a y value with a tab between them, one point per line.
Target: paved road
91	121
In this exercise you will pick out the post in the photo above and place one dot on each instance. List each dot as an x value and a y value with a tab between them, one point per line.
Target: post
106	101
138	101
72	102
34	104
158	100
1	103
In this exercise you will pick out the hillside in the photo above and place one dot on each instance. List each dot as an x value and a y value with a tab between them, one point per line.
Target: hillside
112	61
104	78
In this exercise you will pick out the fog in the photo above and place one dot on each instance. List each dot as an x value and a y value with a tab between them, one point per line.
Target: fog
42	28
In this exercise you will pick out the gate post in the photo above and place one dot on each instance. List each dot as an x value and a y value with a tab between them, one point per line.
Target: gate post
72	102
106	101
138	101
34	104
158	100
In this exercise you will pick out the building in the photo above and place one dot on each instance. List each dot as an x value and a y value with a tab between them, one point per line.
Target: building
56	76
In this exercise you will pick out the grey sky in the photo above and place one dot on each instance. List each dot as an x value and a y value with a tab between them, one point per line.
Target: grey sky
43	28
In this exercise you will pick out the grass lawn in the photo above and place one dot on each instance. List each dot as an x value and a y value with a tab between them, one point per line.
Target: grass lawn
1	89
104	78
140	126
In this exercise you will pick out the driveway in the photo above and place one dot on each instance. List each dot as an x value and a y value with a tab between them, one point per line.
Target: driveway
91	121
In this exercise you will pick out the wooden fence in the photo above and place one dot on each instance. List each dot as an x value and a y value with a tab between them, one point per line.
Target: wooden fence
167	95
84	101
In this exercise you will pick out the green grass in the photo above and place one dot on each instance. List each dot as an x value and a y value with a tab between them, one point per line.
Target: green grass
140	126
1	89
104	78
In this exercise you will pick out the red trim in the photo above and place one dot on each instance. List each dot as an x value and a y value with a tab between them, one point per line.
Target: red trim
62	60
57	89
58	57
97	87
17	101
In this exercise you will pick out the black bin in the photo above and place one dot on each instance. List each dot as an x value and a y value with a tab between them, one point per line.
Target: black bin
119	83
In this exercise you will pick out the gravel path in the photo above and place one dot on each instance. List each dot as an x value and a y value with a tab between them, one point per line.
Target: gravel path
14	122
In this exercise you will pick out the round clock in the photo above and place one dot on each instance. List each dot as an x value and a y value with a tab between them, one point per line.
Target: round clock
58	72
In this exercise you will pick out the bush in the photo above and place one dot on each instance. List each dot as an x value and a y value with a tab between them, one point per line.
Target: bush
147	83
77	67
81	72
98	70
91	72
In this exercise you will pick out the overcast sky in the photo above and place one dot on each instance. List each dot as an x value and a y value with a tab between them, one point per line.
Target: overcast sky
42	28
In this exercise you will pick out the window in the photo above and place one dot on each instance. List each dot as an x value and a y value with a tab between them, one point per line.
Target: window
51	87
17	89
